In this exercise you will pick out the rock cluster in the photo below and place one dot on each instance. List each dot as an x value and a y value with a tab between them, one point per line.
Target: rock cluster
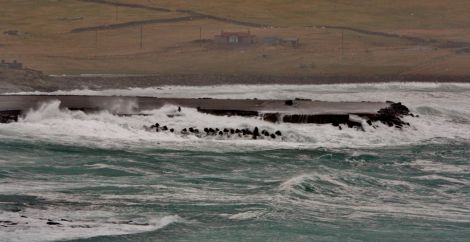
254	133
392	115
9	116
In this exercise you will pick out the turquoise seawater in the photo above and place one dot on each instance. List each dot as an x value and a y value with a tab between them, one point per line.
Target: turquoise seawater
72	176
406	193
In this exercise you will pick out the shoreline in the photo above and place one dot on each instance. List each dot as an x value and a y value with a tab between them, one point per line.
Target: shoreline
247	79
26	82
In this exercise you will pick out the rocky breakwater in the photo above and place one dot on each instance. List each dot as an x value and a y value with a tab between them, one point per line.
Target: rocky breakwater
347	114
340	114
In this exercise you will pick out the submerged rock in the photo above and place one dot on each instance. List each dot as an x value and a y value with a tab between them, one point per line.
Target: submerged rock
53	223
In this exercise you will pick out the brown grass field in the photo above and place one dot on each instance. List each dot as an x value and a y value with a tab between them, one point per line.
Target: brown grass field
45	41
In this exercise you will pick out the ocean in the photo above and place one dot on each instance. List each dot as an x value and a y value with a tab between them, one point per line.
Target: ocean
99	177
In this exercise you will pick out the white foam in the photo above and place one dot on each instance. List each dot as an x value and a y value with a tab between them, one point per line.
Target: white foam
318	92
434	166
373	196
120	168
246	215
76	224
442	178
450	119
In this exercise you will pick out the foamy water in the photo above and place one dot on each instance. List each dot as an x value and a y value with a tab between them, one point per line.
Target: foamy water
444	111
105	177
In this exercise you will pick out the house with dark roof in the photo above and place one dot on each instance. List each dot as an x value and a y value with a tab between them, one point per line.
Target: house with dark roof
235	38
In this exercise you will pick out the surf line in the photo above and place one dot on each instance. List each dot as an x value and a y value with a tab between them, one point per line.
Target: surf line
349	114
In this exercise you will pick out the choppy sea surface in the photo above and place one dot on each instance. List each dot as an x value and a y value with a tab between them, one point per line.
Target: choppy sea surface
98	177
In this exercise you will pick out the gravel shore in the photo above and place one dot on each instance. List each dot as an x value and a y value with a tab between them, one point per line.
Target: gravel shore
29	80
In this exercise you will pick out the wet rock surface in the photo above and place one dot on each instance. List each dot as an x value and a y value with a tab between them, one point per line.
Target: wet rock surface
9	116
392	115
226	132
53	223
222	112
349	114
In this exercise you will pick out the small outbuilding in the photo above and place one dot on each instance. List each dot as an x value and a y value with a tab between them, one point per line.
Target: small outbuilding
235	38
11	65
291	42
272	40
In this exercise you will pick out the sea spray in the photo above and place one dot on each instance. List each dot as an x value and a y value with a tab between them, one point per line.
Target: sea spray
104	177
50	122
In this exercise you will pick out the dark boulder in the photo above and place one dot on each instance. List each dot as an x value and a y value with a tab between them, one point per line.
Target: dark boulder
272	117
53	223
9	116
256	132
392	115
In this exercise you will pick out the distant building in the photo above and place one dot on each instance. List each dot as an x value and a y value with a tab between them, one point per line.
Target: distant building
272	40
11	65
291	42
11	32
235	38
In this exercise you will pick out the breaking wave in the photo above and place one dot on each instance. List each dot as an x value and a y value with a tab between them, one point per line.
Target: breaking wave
32	224
68	174
444	112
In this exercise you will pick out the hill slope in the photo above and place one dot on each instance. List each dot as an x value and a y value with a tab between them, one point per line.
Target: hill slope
369	37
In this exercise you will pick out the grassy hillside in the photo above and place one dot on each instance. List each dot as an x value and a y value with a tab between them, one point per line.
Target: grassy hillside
428	14
44	40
